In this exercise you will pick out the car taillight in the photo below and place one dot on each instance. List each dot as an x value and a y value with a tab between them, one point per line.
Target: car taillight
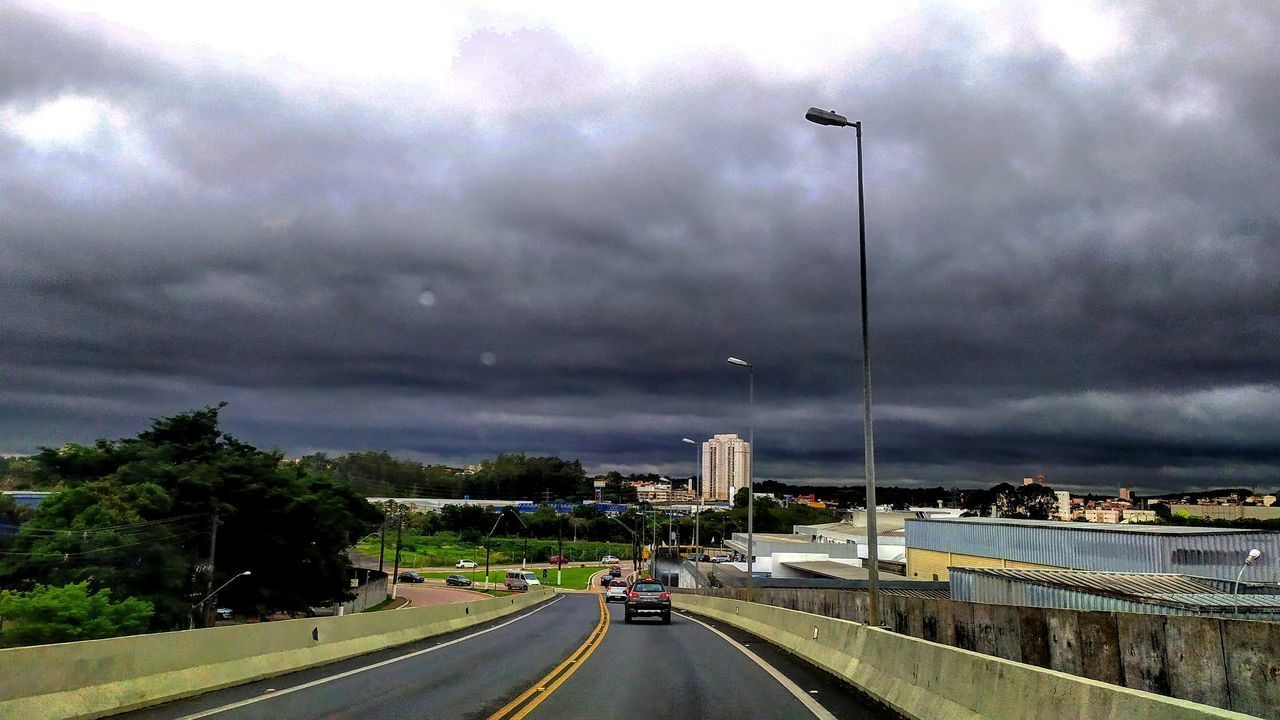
666	596
635	594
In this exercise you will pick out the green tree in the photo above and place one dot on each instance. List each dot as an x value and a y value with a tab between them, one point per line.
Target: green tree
49	614
137	515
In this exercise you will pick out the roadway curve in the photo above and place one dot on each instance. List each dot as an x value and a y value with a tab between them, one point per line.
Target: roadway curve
645	669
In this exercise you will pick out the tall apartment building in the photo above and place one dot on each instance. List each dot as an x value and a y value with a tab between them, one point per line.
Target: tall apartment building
726	466
1126	494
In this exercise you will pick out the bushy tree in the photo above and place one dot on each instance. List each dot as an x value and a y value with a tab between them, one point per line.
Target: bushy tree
50	614
136	515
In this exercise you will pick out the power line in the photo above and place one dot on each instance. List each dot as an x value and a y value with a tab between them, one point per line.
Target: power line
132	528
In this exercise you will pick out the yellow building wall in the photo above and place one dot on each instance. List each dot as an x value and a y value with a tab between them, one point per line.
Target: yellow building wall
926	564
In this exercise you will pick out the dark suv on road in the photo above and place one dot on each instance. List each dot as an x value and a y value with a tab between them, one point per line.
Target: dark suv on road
648	597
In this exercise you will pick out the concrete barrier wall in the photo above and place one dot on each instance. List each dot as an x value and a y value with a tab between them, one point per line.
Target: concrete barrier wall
99	677
921	679
1232	664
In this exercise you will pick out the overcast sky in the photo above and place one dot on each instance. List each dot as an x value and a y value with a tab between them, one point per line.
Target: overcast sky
449	230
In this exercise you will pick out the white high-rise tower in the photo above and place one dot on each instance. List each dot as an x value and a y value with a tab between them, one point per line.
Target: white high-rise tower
726	466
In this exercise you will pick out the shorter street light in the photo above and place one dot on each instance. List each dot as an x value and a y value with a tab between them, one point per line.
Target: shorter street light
191	614
1254	554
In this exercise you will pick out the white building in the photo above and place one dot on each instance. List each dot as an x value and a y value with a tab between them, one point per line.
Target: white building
726	466
1064	504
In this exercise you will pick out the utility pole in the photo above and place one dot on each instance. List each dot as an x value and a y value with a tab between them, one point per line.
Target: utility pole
382	544
213	547
560	549
395	584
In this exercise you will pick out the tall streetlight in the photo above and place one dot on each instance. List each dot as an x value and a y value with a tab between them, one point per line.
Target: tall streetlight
1254	554
191	614
697	470
751	447
830	117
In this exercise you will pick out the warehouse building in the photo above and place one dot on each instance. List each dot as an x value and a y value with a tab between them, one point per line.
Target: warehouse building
934	545
1150	593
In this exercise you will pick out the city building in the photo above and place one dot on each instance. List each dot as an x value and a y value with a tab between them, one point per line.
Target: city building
1126	494
1228	512
1150	593
1037	479
935	545
726	466
1064	504
661	493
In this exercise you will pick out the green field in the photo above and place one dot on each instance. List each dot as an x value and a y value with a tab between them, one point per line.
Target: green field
572	577
445	549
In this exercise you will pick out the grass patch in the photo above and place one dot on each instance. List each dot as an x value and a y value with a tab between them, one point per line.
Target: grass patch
574	578
445	549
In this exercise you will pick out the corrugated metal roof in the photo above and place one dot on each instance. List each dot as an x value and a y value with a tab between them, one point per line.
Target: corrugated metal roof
1095	527
1162	588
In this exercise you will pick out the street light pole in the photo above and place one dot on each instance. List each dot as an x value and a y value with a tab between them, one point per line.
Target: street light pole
191	614
829	117
751	454
697	468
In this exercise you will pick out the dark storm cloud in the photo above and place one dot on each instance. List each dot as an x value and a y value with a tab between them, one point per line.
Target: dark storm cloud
1071	270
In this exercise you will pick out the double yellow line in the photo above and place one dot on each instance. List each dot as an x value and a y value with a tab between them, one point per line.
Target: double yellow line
531	698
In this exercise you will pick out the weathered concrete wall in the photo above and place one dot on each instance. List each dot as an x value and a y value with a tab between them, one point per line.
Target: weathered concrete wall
921	679
101	677
1233	664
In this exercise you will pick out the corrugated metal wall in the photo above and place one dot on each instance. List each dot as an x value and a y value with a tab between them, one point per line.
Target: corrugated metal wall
1060	545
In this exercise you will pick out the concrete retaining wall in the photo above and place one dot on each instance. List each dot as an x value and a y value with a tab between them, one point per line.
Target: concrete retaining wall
1232	664
921	679
99	677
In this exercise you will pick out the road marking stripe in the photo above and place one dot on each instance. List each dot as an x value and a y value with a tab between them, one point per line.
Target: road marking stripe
357	671
812	705
531	698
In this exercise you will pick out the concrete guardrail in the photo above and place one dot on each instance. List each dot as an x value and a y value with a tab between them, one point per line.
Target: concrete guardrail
927	680
94	678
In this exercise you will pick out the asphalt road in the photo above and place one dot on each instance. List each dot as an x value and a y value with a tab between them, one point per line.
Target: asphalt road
646	669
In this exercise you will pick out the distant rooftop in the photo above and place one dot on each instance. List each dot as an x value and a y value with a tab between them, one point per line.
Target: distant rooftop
1095	527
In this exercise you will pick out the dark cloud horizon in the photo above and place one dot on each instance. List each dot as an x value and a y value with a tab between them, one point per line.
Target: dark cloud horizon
1072	265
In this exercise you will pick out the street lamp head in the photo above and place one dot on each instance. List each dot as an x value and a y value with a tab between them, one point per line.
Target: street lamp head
246	572
1254	554
827	117
691	442
736	361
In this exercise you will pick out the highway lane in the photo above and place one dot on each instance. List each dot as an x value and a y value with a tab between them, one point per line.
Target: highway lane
684	670
470	679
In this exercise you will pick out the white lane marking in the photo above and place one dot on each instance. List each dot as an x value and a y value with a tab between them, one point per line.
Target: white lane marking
357	671
810	704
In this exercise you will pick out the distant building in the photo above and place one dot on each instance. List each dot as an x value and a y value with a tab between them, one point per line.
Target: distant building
935	545
661	492
726	466
1126	494
1064	504
1228	512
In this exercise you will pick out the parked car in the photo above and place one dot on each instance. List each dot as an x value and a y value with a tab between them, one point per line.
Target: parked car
720	558
617	591
558	560
465	564
411	577
459	580
649	598
224	613
609	560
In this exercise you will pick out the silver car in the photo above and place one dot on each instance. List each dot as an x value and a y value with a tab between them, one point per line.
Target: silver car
617	591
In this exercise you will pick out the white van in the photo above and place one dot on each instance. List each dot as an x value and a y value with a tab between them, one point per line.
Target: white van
521	580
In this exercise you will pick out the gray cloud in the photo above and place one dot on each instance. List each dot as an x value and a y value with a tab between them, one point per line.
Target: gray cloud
1071	270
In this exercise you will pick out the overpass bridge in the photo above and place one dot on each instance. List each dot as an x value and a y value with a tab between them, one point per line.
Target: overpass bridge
553	655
